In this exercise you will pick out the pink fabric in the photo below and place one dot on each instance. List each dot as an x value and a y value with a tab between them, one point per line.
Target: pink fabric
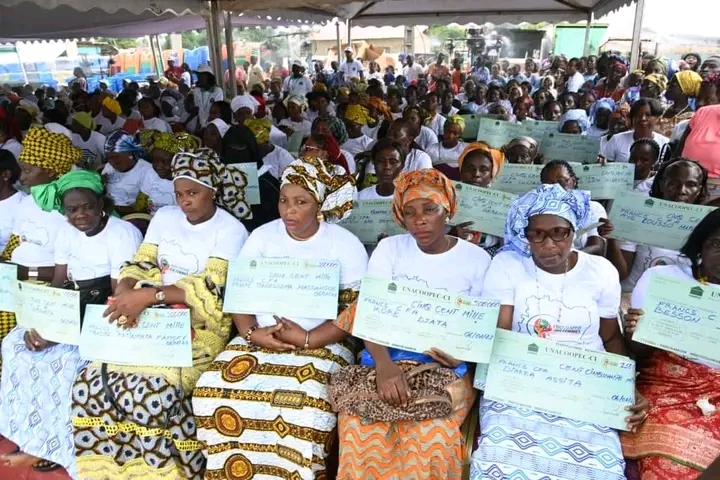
703	142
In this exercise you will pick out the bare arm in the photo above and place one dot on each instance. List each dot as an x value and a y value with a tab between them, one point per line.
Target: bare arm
595	246
327	334
505	317
612	336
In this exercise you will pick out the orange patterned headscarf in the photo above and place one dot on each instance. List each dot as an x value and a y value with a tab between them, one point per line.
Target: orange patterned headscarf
381	107
428	184
498	157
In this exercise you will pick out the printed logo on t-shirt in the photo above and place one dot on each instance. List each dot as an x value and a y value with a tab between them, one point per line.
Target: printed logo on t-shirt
173	259
558	320
30	232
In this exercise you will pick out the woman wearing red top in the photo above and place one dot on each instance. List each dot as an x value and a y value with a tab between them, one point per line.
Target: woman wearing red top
611	86
701	142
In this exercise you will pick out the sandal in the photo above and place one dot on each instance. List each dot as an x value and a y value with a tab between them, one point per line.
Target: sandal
45	466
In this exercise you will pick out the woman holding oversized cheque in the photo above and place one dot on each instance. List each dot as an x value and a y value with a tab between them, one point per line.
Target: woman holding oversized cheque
423	203
549	290
262	407
681	436
137	421
35	395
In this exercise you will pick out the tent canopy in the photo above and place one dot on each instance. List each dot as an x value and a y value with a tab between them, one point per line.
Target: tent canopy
67	19
427	12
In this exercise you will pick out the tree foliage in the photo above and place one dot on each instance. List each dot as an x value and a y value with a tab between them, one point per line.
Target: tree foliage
445	32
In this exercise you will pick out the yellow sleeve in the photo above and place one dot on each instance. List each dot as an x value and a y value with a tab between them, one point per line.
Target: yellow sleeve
12	244
144	266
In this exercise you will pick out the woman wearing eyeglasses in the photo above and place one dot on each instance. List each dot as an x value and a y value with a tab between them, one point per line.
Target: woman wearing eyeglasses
549	290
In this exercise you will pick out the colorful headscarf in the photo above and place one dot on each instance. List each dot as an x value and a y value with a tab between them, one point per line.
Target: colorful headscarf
381	107
601	104
84	119
260	127
357	114
497	157
204	166
330	185
620	63
112	105
657	79
51	151
50	195
319	87
121	142
572	205
455	120
422	113
169	142
427	183
31	108
689	82
337	127
575	115
528	142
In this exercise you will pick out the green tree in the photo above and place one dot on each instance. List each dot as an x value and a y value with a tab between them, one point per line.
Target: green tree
193	39
118	42
445	32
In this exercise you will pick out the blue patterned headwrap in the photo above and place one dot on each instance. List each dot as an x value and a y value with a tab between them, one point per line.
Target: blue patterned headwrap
601	104
576	115
121	142
572	205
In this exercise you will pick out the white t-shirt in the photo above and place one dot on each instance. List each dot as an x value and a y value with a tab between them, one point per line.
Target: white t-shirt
565	307
331	242
297	86
412	72
449	156
160	192
278	137
644	186
617	149
416	160
351	69
277	161
575	83
8	212
399	258
107	127
124	187
363	143
370	193
683	271
437	124
12	146
645	257
100	255
426	138
184	249
304	126
93	150
38	232
679	130
186	78
204	100
597	211
371	132
158	124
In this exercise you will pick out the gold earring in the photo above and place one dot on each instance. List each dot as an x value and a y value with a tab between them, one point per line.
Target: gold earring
320	217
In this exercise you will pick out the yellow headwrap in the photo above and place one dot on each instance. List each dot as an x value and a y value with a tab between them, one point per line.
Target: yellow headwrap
112	105
357	114
51	151
319	87
658	80
84	119
689	82
381	107
455	120
497	157
169	142
260	127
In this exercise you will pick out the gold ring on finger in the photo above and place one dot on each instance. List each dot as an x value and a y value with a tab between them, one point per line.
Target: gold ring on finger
122	320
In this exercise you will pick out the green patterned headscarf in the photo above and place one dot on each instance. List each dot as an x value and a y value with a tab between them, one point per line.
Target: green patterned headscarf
49	196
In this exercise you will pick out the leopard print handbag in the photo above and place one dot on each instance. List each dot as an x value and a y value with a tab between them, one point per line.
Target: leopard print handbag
435	392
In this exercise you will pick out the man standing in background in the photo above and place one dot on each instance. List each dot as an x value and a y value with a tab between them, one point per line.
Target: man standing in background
412	70
351	68
255	72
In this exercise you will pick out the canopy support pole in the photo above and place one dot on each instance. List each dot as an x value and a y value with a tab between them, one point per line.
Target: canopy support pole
230	54
158	56
588	29
22	65
636	45
339	40
213	39
349	25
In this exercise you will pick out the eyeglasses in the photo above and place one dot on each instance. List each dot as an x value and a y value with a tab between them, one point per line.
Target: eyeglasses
557	234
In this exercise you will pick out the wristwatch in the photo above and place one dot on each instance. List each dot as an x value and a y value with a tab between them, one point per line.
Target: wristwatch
159	295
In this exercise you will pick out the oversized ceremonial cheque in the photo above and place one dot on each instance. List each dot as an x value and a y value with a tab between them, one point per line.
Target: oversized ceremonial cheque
53	312
283	286
517	178
654	222
162	338
570	382
370	218
486	208
8	287
681	316
404	316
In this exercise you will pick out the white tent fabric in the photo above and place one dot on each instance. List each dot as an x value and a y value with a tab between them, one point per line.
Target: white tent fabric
427	12
111	6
